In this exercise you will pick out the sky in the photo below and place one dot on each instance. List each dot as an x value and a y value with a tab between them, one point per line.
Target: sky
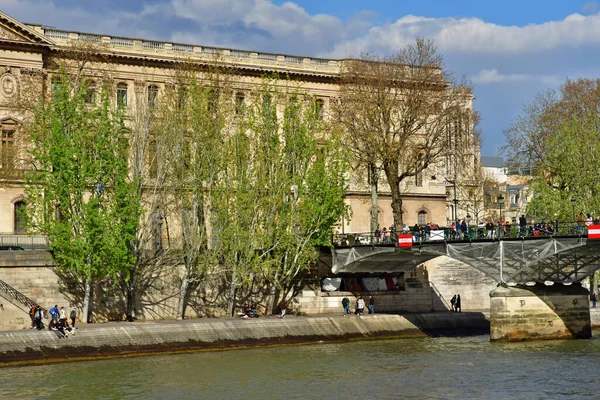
510	50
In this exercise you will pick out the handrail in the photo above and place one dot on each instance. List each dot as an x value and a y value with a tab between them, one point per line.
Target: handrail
18	296
423	235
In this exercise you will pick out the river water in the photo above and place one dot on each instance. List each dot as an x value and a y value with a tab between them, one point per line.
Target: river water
427	368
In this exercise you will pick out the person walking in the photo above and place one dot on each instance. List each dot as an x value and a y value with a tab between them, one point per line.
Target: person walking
32	316
54	313
593	298
73	317
282	307
346	305
371	305
453	303
360	306
38	317
457	305
62	315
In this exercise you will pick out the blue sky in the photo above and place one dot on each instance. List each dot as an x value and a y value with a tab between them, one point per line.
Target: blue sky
509	49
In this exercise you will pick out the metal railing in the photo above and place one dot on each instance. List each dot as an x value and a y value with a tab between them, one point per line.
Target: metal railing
423	235
27	242
17	298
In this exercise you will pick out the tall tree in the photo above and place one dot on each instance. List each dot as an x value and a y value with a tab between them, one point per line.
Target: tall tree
286	185
557	139
397	111
197	112
79	194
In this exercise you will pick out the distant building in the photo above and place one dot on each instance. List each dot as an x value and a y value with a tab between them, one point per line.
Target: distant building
505	189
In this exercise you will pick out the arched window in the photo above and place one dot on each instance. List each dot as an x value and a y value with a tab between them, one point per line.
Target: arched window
122	94
152	96
422	218
20	222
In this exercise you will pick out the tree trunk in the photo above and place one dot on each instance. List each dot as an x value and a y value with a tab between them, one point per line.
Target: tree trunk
87	313
185	283
391	173
131	298
374	199
232	294
271	300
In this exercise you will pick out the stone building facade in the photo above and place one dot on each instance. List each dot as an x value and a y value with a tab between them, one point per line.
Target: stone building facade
141	69
148	65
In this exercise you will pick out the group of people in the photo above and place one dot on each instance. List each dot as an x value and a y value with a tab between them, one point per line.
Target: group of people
384	235
423	233
249	311
58	320
455	303
359	308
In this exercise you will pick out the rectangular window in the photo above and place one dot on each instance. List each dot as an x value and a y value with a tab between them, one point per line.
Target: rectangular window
239	103
152	159
122	95
152	96
419	179
8	137
90	95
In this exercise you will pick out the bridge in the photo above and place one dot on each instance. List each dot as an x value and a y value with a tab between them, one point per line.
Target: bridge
539	294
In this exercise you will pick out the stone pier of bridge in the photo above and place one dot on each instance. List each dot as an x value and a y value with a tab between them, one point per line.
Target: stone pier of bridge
540	312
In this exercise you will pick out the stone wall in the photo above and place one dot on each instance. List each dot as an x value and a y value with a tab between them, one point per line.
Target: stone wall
540	312
144	338
410	300
448	277
31	273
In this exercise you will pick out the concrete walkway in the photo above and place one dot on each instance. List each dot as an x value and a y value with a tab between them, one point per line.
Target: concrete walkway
121	339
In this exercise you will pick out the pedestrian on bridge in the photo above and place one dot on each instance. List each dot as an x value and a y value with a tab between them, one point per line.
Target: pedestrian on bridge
522	225
593	298
371	305
457	305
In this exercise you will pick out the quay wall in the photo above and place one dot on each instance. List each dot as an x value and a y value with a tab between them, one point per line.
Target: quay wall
140	338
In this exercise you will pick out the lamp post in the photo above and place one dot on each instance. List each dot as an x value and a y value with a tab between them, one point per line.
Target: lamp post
573	201
468	219
455	201
500	205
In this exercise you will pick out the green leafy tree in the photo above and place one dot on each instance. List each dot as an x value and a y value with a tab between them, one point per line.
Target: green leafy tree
285	186
79	193
558	139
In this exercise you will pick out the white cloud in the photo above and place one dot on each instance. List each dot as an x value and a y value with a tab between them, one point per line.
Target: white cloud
472	35
508	63
491	76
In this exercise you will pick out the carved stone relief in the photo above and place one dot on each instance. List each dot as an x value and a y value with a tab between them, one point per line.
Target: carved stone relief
6	34
8	85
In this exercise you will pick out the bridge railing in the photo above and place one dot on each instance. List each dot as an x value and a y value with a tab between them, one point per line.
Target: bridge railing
423	235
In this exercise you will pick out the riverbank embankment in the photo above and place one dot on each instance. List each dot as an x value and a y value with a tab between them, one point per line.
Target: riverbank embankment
140	338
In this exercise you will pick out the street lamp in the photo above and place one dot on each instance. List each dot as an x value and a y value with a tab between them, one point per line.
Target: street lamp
455	201
573	201
500	205
468	219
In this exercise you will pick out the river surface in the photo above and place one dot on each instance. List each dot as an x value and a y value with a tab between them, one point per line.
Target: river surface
428	368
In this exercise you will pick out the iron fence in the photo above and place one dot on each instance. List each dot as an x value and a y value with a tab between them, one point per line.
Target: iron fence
449	234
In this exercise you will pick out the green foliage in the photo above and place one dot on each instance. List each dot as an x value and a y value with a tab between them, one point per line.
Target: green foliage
283	190
79	194
571	171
